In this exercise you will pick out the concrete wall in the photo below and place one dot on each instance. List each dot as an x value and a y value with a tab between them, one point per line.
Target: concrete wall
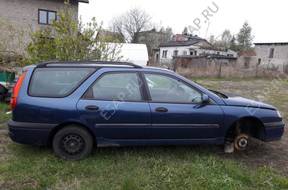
23	14
279	60
280	51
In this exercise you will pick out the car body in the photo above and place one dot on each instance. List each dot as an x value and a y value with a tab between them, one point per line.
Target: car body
124	104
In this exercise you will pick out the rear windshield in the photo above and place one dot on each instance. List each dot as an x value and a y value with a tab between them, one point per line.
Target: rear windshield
57	82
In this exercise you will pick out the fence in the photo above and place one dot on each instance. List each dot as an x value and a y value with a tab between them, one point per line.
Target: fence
226	67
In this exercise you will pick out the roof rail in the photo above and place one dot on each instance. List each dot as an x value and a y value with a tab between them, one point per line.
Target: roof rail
102	63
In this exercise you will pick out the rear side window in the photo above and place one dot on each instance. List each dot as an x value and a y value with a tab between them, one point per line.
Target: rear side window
57	82
118	87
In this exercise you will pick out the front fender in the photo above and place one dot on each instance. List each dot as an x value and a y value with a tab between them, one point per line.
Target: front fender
272	123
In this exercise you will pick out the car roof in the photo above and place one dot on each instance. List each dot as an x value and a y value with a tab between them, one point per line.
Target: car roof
87	64
96	64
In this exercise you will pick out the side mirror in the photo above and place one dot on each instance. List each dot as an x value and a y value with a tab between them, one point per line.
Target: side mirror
205	99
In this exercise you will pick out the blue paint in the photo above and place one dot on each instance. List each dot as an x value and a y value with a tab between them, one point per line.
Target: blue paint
35	119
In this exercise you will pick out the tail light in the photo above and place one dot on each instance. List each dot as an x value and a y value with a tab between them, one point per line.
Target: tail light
16	90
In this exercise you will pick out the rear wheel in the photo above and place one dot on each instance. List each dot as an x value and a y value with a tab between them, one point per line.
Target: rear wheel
72	143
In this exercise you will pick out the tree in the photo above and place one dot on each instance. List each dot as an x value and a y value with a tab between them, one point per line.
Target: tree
226	38
224	41
131	23
244	37
233	45
154	38
168	34
212	40
68	40
185	31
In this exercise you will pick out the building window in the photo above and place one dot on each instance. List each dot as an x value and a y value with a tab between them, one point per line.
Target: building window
175	53
184	52
164	54
191	53
271	53
46	17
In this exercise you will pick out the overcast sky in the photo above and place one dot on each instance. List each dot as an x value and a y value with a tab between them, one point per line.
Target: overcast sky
267	18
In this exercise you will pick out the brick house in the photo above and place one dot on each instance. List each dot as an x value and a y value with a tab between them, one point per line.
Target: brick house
30	15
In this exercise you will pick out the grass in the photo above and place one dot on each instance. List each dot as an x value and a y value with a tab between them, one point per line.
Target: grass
133	168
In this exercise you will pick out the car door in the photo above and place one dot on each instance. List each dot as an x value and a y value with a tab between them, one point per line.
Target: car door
177	110
115	107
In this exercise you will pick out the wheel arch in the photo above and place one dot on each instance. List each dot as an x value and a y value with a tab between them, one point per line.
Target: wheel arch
65	124
250	125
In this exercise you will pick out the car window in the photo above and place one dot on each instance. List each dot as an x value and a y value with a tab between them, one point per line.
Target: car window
117	86
166	89
57	82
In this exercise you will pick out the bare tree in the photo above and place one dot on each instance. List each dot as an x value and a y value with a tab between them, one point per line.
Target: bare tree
223	41
131	23
226	38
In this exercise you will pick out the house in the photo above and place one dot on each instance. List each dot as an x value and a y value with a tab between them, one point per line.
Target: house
30	15
273	55
188	45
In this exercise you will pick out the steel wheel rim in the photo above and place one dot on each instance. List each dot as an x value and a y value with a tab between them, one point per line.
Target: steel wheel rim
72	144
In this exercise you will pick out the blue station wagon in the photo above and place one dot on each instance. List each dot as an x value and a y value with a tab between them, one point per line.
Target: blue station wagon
74	106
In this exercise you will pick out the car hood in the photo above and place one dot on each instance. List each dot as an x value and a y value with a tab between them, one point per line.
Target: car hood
240	101
233	100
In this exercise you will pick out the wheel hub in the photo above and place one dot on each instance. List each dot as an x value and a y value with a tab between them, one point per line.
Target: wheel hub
241	142
72	144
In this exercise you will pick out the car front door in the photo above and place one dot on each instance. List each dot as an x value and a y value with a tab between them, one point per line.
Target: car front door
115	107
178	112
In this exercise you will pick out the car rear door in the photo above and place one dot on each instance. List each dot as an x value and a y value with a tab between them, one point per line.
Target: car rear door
114	105
177	111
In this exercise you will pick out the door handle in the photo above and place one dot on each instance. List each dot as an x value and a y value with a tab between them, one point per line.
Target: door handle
92	108
161	109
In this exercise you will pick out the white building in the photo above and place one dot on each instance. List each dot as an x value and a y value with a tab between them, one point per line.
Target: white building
128	52
273	54
135	53
189	46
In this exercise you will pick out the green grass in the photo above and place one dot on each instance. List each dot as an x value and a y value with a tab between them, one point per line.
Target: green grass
3	116
149	168
134	168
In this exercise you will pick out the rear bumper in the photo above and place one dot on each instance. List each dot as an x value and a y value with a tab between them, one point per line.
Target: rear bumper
30	133
274	130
